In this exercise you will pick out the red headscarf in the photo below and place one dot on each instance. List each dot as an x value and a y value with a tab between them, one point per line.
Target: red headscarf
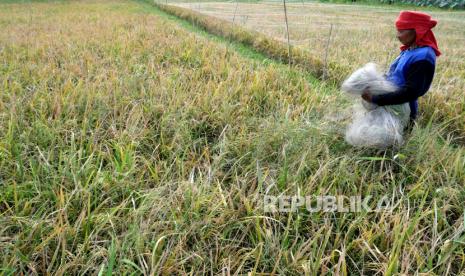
422	23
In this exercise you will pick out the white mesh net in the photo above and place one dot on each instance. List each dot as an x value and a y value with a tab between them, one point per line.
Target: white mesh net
374	126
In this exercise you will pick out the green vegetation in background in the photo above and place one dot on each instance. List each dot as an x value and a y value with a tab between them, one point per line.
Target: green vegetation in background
443	4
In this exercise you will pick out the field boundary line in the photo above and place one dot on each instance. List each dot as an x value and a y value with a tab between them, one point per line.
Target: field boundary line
261	43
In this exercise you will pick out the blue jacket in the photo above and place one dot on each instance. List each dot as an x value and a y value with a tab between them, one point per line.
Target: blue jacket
412	71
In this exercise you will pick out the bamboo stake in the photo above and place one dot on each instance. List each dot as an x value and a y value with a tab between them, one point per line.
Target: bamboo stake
235	10
287	33
325	71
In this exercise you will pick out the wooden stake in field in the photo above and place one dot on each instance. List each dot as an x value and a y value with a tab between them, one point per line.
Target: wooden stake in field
235	11
234	18
325	70
287	33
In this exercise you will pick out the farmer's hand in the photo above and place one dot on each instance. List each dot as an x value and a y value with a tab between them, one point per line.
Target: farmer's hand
366	95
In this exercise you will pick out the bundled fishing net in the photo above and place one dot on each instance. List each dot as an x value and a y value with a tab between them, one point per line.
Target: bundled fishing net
372	125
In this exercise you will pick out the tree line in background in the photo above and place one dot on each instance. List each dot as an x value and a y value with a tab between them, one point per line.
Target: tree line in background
448	4
454	4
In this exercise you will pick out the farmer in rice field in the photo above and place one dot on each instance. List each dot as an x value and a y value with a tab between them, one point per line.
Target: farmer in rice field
413	70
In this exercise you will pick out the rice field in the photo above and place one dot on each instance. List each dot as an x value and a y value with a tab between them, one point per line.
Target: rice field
353	35
132	143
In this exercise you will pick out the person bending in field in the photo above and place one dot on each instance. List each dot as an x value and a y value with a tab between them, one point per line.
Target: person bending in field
413	70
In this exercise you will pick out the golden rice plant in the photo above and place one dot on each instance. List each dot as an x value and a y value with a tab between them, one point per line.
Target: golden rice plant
134	143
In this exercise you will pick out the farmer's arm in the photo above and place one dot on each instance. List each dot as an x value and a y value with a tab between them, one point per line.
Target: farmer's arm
418	79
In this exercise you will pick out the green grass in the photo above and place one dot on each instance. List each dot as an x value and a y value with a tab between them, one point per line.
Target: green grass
133	143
